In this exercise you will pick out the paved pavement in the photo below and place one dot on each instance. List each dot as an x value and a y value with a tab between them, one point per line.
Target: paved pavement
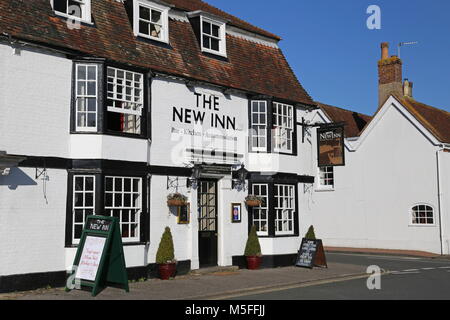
346	277
206	286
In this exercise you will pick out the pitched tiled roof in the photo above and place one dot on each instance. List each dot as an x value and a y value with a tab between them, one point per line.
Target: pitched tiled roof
354	121
194	5
251	66
437	121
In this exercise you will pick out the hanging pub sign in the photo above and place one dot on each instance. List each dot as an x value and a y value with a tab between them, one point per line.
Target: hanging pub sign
99	260
311	254
330	146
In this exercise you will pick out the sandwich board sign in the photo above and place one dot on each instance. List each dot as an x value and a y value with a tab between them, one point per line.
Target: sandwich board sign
311	254
100	260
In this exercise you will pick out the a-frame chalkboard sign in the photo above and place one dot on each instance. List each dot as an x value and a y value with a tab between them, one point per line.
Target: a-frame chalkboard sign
100	260
311	254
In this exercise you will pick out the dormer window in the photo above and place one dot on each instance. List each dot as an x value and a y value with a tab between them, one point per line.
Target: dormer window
210	31
151	20
213	37
73	9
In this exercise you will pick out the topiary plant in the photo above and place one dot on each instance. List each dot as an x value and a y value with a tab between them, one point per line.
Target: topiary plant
252	247
165	253
310	234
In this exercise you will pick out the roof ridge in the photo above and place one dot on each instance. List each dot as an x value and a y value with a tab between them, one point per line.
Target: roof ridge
333	106
426	105
242	20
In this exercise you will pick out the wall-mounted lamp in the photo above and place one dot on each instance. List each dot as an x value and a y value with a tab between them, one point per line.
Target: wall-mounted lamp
192	182
239	177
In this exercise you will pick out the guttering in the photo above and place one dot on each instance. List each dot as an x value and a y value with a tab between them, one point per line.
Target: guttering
439	188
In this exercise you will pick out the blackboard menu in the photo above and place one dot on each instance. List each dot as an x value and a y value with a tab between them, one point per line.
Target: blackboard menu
311	254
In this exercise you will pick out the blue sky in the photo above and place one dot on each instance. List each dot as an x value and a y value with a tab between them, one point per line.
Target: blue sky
335	55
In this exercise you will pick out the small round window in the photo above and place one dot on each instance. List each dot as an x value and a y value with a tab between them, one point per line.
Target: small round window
422	214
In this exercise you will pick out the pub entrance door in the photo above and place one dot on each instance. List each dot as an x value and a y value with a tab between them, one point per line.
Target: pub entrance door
207	216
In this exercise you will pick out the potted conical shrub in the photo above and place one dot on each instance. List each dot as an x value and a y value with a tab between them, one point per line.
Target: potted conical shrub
253	250
165	256
310	235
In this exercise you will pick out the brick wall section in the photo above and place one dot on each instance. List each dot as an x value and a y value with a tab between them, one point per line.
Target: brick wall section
389	78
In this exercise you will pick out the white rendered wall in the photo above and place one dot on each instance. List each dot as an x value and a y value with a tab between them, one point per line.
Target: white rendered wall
32	227
393	169
35	98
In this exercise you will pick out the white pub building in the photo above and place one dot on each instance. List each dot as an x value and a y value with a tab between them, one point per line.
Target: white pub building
109	106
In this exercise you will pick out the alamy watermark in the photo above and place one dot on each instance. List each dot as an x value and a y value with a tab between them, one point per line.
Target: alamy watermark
374	280
374	20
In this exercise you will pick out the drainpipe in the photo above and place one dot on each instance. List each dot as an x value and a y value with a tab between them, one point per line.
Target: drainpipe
441	235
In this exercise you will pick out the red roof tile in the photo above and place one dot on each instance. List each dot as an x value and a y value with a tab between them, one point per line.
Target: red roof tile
250	66
194	5
437	121
354	121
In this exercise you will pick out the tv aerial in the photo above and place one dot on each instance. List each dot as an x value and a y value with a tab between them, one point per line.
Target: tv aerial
401	44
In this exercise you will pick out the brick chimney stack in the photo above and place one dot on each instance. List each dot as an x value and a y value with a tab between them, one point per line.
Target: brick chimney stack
389	75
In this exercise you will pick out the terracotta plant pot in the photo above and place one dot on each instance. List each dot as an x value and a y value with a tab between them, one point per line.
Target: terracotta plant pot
175	203
253	262
253	203
167	270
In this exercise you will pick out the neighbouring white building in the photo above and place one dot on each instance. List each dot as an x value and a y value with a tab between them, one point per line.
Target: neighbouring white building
394	191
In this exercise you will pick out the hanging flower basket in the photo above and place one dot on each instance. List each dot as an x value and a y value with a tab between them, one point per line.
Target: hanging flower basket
176	200
253	201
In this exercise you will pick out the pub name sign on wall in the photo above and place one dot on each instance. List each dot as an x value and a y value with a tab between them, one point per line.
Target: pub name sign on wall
330	146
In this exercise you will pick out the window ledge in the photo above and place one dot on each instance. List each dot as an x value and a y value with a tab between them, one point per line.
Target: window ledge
324	190
422	225
66	16
216	53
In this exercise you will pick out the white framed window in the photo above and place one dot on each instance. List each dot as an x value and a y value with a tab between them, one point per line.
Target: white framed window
284	209
83	203
123	200
422	214
283	122
258	135
261	213
125	100
86	97
151	20
326	178
213	36
74	9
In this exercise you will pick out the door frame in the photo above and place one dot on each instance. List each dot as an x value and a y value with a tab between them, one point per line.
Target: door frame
215	237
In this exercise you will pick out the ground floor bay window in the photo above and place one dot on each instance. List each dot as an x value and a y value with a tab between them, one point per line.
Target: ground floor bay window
123	197
277	216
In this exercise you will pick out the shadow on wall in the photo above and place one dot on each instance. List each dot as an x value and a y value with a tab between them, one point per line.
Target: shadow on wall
16	178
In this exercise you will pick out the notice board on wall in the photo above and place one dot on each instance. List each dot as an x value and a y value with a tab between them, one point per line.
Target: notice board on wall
100	260
311	254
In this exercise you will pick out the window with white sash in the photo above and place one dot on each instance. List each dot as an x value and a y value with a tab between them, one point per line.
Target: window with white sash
74	9
151	20
83	203
123	200
258	134
283	123
213	38
86	97
125	100
422	214
261	213
326	178
284	209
